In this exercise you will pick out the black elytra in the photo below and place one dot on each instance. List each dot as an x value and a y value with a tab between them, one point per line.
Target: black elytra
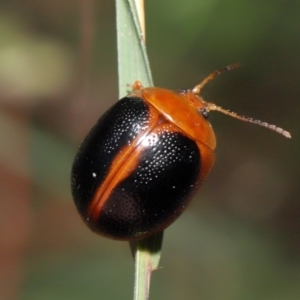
154	193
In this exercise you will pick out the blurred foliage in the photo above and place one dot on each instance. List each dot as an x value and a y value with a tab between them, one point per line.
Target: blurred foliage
240	237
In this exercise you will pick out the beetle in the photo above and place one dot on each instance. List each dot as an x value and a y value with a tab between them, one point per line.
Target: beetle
139	166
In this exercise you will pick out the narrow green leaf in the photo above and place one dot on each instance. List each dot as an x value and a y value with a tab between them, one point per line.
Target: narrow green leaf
133	65
147	255
133	62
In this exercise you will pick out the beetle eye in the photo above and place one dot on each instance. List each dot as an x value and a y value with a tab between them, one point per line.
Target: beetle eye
182	91
204	112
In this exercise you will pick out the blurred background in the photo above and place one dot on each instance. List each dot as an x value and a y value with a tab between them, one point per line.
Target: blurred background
240	237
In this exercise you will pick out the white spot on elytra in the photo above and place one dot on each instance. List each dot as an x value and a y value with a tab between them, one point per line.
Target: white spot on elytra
94	175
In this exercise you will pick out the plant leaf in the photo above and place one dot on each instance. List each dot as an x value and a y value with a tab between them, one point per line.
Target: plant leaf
133	62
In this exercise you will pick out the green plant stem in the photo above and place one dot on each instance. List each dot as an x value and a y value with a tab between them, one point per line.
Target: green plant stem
133	61
133	65
147	255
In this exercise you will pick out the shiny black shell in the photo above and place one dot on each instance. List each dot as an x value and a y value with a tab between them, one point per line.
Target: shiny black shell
163	170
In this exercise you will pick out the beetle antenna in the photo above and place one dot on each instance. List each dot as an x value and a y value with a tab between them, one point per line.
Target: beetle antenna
196	90
212	106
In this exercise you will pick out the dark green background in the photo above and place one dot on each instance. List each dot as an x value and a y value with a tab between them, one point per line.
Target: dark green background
240	237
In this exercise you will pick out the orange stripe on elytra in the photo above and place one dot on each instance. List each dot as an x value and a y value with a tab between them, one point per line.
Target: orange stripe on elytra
122	166
207	160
